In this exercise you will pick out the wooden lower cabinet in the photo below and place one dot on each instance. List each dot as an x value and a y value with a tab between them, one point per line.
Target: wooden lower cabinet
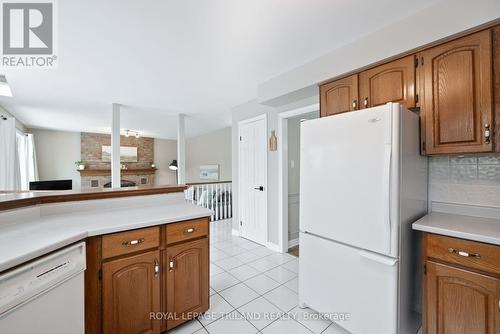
148	275
130	293
186	281
459	299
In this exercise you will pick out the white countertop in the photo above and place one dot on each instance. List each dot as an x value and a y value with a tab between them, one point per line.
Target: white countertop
25	235
459	226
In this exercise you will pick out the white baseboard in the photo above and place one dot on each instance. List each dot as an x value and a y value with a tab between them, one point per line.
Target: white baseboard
274	247
293	243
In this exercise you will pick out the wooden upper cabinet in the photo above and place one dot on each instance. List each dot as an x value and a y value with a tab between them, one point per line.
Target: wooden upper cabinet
460	301
457	93
131	291
391	82
186	280
339	96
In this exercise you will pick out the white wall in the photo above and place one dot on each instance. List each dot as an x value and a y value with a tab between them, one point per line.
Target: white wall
441	20
56	153
213	148
165	150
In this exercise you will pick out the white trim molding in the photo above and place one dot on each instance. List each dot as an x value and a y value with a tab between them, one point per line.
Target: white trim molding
283	170
293	243
274	247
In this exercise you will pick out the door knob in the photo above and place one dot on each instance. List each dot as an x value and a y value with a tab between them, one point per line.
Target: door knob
260	188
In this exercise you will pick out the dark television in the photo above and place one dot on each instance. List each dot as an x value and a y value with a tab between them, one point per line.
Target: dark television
52	185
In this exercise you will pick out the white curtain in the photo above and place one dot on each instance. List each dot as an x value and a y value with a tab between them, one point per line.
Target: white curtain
9	163
27	159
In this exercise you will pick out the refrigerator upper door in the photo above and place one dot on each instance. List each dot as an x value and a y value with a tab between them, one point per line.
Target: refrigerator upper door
345	178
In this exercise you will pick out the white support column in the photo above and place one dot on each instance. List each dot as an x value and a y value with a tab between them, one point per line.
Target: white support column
181	149
115	148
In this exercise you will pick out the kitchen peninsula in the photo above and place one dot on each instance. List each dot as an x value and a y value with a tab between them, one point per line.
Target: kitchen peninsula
150	239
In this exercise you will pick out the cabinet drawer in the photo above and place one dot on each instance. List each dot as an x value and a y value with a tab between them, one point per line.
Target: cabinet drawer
131	241
186	230
470	254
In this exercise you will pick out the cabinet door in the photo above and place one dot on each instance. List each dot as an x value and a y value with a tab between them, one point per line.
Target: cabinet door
186	281
391	82
460	302
339	96
131	291
457	90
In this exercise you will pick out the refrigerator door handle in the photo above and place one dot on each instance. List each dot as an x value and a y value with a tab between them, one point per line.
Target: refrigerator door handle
378	258
386	191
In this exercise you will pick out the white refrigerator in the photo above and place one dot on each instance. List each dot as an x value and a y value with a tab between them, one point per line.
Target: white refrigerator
362	183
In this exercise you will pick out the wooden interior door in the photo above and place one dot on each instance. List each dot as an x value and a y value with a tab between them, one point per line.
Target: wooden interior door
460	302
458	95
391	82
339	96
186	280
131	291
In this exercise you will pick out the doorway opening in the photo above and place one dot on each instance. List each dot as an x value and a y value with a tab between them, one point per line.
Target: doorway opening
289	180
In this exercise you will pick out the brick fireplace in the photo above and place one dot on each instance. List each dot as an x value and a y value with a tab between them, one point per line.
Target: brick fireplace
97	173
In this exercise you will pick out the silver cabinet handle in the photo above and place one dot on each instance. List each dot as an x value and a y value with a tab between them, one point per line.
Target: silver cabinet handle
133	242
354	104
366	102
487	133
157	267
464	254
170	264
189	230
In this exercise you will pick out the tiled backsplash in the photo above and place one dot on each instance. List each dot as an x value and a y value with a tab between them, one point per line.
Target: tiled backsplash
465	179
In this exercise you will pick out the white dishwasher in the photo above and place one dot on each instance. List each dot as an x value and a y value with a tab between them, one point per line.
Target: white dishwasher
45	295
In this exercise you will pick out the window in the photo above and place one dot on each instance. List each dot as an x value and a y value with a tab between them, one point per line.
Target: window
27	159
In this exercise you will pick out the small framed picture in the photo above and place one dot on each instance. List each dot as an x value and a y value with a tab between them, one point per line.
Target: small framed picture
209	172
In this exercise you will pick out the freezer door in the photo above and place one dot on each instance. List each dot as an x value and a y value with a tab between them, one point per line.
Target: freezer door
355	288
345	177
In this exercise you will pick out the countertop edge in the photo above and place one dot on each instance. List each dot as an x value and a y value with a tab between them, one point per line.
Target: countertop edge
30	256
26	199
456	234
93	233
81	235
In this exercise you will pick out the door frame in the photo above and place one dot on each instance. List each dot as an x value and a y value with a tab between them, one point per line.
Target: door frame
240	124
283	171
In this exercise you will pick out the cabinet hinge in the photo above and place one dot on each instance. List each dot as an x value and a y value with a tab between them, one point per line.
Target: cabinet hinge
100	274
416	62
416	98
423	146
241	138
425	269
241	223
422	61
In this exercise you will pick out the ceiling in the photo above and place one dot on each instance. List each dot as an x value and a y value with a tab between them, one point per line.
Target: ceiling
159	58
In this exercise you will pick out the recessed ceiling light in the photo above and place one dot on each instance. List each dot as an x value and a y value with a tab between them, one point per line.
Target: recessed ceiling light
4	87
